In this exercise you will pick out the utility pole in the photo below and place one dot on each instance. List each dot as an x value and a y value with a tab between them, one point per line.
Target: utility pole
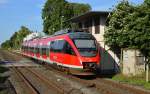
62	22
147	69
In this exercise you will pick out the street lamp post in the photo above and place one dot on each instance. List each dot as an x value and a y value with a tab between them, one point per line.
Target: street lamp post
62	22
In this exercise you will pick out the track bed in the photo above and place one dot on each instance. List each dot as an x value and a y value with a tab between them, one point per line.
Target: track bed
43	79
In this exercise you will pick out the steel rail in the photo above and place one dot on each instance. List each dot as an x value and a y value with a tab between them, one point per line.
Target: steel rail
46	81
25	80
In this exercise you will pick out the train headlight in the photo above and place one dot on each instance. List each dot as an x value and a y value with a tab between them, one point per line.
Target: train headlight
89	65
92	65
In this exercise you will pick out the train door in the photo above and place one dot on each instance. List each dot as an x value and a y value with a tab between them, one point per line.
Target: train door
34	52
70	57
56	51
37	52
40	50
44	55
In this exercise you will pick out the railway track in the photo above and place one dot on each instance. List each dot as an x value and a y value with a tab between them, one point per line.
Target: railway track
98	84
30	88
23	74
47	82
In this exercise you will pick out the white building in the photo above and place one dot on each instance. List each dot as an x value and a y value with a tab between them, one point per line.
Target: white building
94	22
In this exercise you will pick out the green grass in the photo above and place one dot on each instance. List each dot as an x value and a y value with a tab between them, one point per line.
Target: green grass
138	80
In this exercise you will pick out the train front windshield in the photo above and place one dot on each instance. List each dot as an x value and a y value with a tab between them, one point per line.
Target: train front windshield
86	47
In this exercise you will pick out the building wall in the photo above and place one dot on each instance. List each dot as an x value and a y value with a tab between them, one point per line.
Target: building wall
133	62
99	36
109	60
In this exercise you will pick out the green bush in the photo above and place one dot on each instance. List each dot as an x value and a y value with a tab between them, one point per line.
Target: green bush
138	80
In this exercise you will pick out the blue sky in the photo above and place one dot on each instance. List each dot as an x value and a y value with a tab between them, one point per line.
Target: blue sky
15	13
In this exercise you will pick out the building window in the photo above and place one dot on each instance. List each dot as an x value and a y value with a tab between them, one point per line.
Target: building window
97	25
80	25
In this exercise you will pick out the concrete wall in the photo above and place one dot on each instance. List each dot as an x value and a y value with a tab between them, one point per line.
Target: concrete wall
133	62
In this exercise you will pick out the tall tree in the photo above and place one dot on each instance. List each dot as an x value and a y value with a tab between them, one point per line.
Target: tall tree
115	34
78	8
56	12
144	37
129	27
17	38
6	44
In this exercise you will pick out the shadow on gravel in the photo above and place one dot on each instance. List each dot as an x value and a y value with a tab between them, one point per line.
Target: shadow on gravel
3	78
5	85
3	69
91	77
86	77
5	62
2	81
105	75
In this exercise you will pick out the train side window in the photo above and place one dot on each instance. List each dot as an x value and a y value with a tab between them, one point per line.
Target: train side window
35	50
38	50
25	48
52	46
28	49
57	46
32	49
68	49
43	51
60	45
22	48
48	49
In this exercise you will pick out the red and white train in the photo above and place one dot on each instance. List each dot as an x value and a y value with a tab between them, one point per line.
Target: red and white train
72	50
